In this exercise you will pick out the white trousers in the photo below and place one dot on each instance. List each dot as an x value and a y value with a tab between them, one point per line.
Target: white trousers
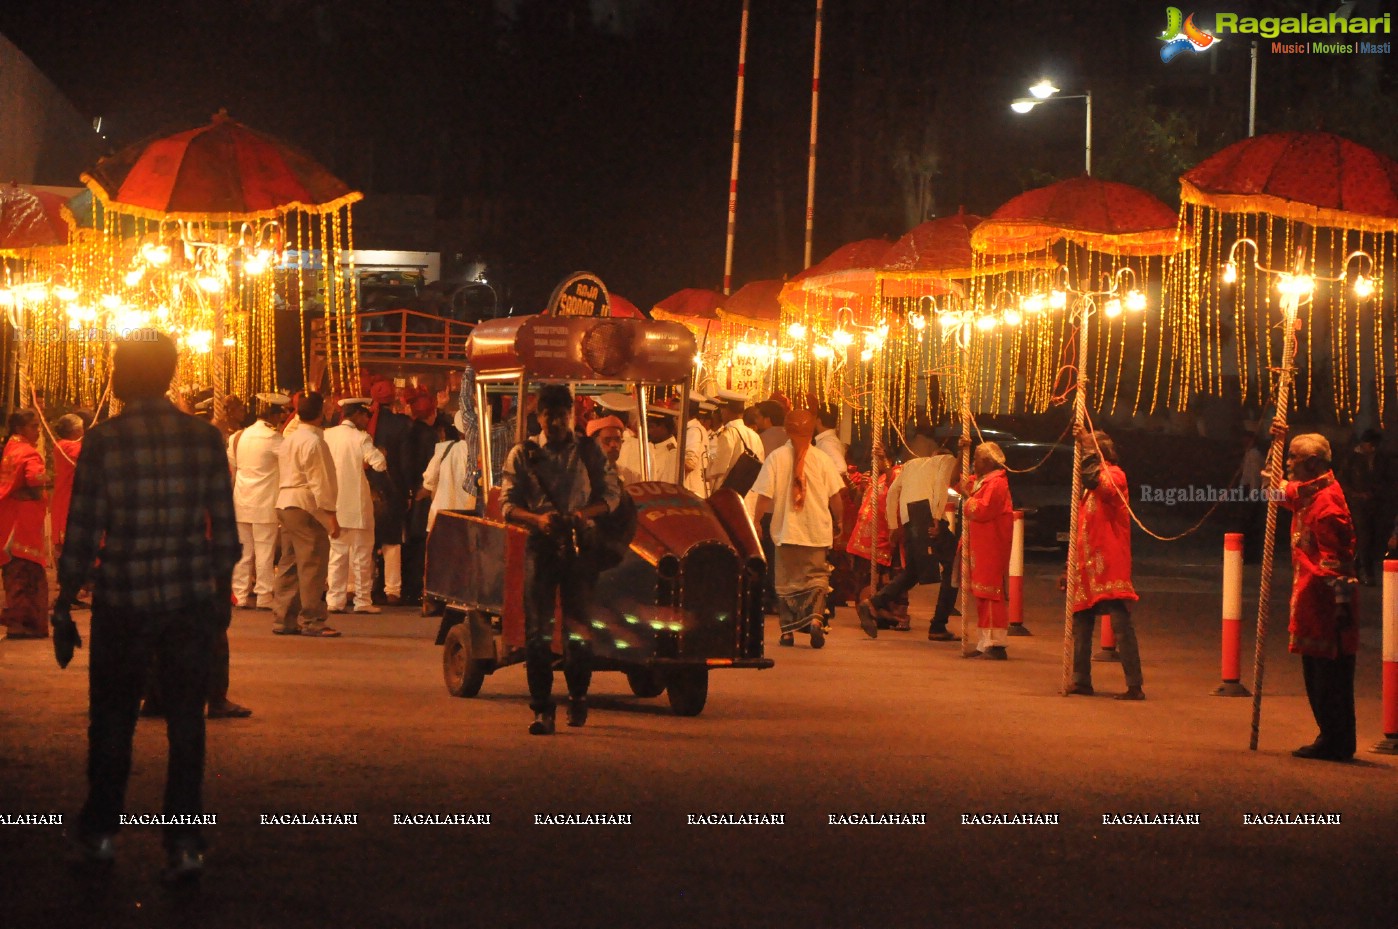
351	567
392	570
258	563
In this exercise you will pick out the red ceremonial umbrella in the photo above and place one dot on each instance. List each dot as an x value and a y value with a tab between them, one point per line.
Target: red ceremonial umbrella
692	303
31	219
224	170
1309	177
621	307
755	305
1103	216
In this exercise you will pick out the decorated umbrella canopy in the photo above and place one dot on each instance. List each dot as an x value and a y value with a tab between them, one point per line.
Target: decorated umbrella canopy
750	318
1109	233
221	213
620	306
1294	209
31	219
845	277
1311	191
697	309
1102	228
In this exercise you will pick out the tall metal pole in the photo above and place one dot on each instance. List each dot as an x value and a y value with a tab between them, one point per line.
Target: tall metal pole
1290	304
964	339
737	144
1252	95
1088	147
815	113
1075	517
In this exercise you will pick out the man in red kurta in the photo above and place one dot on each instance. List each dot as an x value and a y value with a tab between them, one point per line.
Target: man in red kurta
1324	624
1103	583
23	506
990	530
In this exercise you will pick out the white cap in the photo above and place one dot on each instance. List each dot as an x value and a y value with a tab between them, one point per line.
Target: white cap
620	402
732	396
708	407
661	409
275	399
698	396
204	405
355	401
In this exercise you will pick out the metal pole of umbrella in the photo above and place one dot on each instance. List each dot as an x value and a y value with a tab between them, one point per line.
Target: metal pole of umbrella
737	145
963	376
1075	516
877	446
1290	304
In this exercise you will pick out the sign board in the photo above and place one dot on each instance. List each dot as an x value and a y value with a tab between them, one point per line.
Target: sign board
582	294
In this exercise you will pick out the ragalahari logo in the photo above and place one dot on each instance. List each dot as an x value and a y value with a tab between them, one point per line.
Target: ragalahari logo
1182	35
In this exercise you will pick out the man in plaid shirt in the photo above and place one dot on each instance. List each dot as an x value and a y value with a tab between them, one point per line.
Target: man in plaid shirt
153	508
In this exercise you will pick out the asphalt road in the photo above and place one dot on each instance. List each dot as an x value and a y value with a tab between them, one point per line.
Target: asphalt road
362	725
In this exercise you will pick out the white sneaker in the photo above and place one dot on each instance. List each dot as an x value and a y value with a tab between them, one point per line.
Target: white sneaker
367	608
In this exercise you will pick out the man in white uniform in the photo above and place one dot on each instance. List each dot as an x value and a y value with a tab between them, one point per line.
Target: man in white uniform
252	459
730	441
352	553
696	446
664	447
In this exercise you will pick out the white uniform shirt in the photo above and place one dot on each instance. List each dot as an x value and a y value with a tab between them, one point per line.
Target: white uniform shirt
696	458
252	457
921	479
810	525
665	460
445	477
306	475
829	442
728	445
630	458
352	450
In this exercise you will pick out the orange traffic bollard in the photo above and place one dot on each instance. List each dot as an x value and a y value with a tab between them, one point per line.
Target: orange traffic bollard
1231	685
1389	745
1017	578
1108	651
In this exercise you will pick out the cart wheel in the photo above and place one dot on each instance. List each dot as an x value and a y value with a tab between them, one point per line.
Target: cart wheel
462	673
646	683
688	689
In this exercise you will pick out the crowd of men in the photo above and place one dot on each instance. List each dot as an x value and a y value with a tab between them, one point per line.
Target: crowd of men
170	524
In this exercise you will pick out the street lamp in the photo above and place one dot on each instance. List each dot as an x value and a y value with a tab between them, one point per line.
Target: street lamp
1043	92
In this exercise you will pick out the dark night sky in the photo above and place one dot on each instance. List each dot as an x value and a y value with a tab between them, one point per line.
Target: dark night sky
553	143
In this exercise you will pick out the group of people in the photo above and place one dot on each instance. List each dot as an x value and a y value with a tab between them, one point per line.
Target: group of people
152	527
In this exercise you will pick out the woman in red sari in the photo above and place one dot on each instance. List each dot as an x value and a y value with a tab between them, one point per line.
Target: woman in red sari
69	433
23	507
990	528
871	512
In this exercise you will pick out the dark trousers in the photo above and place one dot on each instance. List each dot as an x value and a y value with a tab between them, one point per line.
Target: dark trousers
1330	688
123	645
769	551
551	575
1126	647
907	578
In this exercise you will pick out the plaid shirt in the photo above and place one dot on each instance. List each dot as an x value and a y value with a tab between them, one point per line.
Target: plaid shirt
152	499
575	474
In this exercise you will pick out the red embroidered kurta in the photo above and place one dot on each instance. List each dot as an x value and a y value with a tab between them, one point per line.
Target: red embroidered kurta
873	507
990	530
65	461
1104	542
23	503
1322	547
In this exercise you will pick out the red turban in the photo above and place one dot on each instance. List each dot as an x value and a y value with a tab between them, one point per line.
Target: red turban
424	405
800	428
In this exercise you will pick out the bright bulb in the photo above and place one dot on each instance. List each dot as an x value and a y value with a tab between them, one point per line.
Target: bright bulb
787	356
1112	308
210	284
66	294
1135	301
1058	299
797	331
866	355
1023	106
1230	273
156	255
842	338
1012	318
1034	303
257	262
985	323
919	322
949	320
824	352
110	302
1296	285
1363	287
1044	89
7	297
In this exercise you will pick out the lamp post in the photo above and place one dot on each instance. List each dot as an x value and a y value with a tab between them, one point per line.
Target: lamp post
1043	92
